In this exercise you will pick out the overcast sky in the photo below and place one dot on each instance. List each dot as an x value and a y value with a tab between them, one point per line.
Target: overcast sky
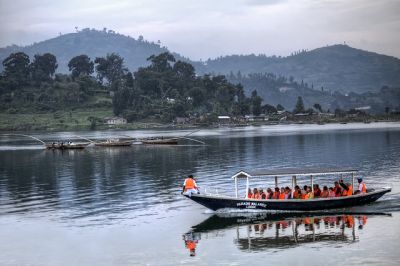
210	28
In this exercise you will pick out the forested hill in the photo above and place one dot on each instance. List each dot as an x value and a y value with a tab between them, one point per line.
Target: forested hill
93	43
337	67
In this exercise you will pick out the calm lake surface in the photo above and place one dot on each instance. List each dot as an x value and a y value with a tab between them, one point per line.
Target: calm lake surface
122	206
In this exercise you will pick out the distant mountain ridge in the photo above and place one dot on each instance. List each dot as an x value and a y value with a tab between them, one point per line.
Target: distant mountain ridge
336	67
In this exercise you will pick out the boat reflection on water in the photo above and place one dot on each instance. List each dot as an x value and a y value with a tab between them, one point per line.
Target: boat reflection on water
280	231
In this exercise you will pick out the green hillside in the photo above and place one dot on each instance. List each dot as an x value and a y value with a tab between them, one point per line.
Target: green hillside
93	43
337	67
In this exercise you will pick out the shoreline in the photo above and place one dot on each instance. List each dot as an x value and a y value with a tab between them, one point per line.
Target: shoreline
169	127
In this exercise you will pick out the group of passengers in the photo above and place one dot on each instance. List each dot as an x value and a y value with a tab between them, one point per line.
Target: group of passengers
340	189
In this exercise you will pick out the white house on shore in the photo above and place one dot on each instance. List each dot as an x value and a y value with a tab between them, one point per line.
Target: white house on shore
114	120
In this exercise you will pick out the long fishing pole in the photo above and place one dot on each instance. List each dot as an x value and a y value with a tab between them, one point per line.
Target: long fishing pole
91	141
193	140
32	137
197	130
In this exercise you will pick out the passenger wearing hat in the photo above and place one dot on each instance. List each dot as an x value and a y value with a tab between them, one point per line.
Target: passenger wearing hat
190	186
362	188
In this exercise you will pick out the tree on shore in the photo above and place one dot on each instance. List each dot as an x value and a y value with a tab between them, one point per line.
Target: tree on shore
16	68
318	107
81	65
299	106
255	103
279	107
43	67
110	68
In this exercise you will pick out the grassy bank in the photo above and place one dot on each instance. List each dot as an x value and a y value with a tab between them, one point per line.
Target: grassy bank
60	120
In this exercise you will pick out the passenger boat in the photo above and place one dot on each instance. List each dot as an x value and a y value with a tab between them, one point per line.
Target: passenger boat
66	145
217	202
160	141
114	143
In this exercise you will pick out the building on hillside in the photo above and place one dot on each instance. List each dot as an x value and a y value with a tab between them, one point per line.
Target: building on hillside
224	119
115	120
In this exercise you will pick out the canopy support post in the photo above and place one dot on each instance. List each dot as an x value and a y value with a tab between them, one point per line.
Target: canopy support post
293	177
295	180
276	181
312	184
247	187
236	187
352	182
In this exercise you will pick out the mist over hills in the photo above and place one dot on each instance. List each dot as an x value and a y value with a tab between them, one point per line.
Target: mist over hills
335	68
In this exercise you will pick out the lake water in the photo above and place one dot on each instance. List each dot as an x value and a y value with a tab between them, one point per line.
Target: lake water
122	206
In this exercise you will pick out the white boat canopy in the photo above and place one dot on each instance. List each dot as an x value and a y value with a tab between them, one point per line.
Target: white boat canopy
293	172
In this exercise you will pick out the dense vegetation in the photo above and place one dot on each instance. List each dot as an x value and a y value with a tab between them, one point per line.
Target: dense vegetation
285	91
337	67
162	91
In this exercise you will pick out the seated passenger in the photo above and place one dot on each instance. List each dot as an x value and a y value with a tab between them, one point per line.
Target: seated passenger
288	193
317	191
332	193
345	188
262	194
297	192
350	191
255	193
276	193
269	193
249	194
337	189
309	194
303	195
259	196
282	193
325	192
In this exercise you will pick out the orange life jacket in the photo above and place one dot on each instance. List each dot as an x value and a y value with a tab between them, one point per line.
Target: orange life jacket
189	183
344	192
295	194
306	196
350	191
364	187
191	245
282	196
249	195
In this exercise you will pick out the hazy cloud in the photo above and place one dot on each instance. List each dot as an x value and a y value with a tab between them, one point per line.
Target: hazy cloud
203	29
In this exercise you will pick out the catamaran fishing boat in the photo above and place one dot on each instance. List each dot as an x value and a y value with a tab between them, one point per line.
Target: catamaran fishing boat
114	143
66	145
160	141
217	202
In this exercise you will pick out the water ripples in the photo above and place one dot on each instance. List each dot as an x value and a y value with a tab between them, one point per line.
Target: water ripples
103	186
